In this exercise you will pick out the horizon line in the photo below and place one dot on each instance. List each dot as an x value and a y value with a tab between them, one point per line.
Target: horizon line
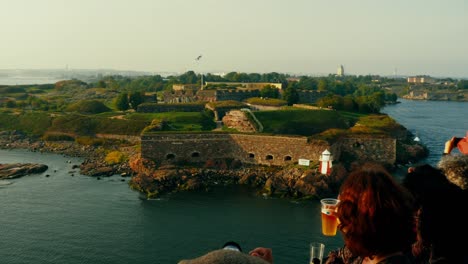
217	72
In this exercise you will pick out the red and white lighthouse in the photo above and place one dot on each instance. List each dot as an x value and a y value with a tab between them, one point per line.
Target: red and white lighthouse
326	160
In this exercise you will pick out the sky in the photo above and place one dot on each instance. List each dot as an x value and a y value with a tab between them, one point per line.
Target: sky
309	37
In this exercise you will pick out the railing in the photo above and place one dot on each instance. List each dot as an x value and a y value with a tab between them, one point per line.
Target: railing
260	126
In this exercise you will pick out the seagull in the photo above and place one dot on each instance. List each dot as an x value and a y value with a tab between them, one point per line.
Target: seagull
199	57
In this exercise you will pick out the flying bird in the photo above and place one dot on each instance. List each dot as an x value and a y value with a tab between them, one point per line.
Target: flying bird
199	57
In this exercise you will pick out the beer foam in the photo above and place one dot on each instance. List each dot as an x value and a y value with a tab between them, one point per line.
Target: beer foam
327	211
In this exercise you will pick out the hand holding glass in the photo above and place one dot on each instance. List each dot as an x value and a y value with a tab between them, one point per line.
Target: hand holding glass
329	219
316	252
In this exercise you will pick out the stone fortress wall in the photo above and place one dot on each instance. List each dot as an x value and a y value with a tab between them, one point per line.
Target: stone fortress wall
258	149
185	96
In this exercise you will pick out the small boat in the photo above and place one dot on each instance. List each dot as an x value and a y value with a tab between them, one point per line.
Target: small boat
416	139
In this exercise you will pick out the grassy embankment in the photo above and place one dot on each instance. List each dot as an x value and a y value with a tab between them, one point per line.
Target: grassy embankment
322	124
38	124
82	129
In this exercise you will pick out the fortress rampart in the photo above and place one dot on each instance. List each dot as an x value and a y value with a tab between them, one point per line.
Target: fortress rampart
259	149
307	96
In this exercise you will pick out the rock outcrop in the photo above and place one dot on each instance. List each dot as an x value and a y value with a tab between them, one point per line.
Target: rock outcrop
292	182
16	170
93	165
236	119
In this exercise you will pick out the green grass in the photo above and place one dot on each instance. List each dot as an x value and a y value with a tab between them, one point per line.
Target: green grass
378	121
33	124
300	121
227	104
266	101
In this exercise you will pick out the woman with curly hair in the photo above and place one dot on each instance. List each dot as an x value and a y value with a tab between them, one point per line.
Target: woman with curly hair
376	216
440	196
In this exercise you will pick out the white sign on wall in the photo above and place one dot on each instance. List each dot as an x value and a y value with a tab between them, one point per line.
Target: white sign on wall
304	162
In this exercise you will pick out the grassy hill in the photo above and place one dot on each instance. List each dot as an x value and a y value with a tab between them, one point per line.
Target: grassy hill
73	109
300	121
39	123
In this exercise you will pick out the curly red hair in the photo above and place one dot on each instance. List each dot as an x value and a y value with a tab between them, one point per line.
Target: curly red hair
375	212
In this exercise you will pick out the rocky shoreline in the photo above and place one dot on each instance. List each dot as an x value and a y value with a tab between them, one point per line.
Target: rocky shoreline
94	156
297	182
152	181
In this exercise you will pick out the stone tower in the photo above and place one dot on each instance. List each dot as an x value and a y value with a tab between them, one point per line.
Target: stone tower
340	71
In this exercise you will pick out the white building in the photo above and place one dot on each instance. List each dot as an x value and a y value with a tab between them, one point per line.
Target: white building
326	160
340	71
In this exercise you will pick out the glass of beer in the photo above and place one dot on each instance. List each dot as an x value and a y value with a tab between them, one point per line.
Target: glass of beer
316	252
329	219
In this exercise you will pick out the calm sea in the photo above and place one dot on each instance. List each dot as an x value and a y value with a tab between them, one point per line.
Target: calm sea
71	218
18	80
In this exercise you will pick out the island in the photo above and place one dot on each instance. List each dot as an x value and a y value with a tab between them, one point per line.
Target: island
273	135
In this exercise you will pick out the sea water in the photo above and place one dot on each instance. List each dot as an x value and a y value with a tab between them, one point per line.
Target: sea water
72	218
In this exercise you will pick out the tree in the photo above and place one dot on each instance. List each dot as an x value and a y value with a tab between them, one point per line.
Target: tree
135	99
10	104
188	78
349	104
371	103
269	91
231	76
290	95
255	77
365	90
391	97
307	83
322	85
333	101
88	107
378	101
101	84
462	84
121	102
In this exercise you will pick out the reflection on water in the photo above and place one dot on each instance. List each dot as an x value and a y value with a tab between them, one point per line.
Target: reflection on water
64	219
434	122
20	80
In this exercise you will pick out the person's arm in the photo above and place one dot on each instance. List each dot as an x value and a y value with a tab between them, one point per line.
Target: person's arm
264	253
450	144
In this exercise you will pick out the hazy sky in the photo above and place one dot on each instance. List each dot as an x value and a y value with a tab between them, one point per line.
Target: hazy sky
288	36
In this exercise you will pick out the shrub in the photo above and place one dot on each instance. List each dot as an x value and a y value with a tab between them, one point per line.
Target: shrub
156	125
90	141
33	124
115	157
88	107
266	102
330	135
51	136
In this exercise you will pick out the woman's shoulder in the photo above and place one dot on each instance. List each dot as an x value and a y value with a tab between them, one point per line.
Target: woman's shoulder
342	256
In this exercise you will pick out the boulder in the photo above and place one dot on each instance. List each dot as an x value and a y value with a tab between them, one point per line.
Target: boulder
16	170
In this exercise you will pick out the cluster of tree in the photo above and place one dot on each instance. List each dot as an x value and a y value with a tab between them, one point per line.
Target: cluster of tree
88	107
462	84
364	104
157	83
347	95
131	90
34	103
151	83
131	100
